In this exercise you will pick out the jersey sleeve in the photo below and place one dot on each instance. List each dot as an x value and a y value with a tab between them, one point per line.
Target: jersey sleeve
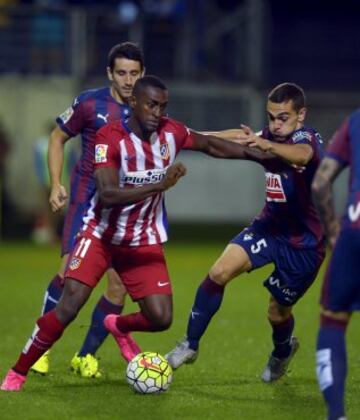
183	135
107	153
339	144
303	137
73	119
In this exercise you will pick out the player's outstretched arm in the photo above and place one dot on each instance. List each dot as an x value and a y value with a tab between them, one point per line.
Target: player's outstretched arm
231	134
58	194
322	192
107	182
294	154
220	148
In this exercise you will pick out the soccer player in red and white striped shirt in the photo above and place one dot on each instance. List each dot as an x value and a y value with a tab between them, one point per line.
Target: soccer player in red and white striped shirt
126	223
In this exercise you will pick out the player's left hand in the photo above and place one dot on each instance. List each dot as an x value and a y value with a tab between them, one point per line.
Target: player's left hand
173	174
250	139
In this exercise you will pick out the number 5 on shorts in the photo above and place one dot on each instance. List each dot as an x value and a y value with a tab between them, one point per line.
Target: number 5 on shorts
258	246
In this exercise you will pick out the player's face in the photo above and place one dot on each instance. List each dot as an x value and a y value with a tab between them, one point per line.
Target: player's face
284	119
149	106
123	77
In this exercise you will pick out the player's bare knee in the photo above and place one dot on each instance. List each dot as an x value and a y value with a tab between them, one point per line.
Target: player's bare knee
116	294
219	274
161	320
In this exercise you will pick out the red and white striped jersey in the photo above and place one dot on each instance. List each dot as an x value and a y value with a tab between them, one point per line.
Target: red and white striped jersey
139	162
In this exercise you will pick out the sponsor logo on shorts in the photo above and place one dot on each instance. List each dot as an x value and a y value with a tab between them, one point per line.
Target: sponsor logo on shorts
162	284
100	153
66	115
274	188
75	263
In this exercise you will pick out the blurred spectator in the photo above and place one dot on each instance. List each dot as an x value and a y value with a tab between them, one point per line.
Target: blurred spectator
48	224
48	37
163	20
5	28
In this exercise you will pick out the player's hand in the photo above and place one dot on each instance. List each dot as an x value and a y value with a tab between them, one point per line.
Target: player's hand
232	134
333	234
58	198
173	174
250	139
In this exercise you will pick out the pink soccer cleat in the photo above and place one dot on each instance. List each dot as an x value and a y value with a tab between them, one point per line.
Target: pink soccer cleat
128	346
13	381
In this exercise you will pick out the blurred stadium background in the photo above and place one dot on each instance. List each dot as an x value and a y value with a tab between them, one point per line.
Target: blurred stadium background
219	59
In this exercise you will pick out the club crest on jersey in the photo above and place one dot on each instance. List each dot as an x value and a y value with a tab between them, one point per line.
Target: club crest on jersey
274	188
75	263
164	151
66	115
100	153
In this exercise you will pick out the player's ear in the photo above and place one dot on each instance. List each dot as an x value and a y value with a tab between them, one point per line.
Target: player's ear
143	72
109	74
302	115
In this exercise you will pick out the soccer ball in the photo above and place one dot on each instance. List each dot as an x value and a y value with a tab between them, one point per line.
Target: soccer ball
149	373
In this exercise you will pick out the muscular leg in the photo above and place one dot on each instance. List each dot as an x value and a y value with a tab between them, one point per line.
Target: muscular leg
112	302
282	323
285	346
233	261
51	298
331	363
50	326
155	315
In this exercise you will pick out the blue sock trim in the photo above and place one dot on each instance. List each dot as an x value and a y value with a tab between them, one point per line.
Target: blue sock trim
52	294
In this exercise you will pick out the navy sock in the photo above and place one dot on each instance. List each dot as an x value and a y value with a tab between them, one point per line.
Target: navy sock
97	332
52	294
331	365
207	302
281	337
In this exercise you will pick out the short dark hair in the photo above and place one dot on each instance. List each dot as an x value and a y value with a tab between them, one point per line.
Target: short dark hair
286	92
146	81
127	50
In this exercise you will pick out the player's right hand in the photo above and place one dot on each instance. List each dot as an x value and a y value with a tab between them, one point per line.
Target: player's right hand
58	198
173	174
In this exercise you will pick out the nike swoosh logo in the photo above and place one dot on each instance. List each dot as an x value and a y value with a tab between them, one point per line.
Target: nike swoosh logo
160	284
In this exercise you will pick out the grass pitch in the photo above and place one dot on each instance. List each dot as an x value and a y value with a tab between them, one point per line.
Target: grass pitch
223	384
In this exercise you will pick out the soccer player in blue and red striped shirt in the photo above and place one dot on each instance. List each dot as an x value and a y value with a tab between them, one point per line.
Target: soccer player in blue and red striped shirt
340	294
287	233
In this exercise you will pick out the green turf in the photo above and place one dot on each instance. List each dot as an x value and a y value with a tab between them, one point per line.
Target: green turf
223	384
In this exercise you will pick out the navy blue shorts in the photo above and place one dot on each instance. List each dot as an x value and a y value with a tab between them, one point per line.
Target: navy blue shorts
295	269
341	286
